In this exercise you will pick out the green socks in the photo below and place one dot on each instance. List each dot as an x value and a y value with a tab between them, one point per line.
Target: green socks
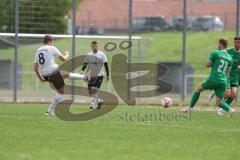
224	106
229	100
194	99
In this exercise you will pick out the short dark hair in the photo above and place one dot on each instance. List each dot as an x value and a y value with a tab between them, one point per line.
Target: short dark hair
224	42
236	38
94	42
47	39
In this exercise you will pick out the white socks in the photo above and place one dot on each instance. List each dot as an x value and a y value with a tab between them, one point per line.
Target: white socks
76	76
94	101
55	101
94	96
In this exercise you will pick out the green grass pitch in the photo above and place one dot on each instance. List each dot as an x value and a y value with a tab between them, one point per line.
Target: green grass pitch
26	133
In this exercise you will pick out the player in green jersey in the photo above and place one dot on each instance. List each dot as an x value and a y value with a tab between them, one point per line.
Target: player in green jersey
232	84
234	77
220	62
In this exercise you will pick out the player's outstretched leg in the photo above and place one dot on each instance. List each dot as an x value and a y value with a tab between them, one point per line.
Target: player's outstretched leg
224	106
77	76
194	99
94	98
96	103
57	82
229	100
55	101
232	95
73	76
227	108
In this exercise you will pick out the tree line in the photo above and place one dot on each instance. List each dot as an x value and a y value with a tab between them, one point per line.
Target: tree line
36	16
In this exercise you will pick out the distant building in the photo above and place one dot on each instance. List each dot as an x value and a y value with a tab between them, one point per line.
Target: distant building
114	13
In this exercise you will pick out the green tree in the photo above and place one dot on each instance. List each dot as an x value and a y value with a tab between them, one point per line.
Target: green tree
5	15
36	16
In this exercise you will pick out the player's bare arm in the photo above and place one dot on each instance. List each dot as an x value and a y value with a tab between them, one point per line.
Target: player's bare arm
64	57
36	66
208	64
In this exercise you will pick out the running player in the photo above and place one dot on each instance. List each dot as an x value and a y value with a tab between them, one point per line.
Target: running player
220	62
47	70
95	60
232	84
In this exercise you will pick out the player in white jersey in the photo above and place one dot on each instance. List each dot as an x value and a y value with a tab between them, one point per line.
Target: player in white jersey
95	60
47	70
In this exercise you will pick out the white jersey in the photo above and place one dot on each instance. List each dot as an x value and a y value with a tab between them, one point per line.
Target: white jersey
45	58
95	63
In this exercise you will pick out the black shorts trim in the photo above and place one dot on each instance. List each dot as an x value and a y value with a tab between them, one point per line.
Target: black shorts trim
95	82
56	79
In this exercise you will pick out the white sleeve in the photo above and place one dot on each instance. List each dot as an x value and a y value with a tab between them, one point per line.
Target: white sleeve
56	52
86	59
104	58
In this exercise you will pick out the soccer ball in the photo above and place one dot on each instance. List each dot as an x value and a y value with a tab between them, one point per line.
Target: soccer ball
166	102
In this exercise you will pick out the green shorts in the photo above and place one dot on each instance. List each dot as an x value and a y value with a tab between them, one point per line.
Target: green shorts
218	87
232	82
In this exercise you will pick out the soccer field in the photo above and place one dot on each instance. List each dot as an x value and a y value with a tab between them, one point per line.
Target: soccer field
156	46
125	133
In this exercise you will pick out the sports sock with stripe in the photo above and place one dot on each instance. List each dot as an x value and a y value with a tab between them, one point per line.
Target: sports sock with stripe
194	99
229	100
55	101
224	106
76	76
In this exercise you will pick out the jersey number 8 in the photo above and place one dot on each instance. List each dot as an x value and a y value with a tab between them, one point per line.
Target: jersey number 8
41	58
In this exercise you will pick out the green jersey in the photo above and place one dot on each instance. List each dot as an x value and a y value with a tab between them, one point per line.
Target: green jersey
221	60
236	61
